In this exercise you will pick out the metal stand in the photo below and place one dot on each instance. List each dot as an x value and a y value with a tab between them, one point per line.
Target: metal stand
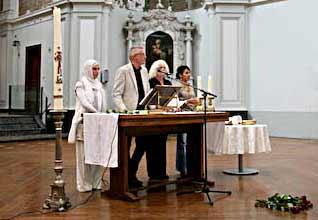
241	170
205	188
57	199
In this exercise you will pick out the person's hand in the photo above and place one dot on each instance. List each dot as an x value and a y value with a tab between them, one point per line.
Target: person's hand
193	101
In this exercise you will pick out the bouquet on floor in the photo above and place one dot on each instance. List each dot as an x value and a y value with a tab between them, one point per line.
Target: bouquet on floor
284	202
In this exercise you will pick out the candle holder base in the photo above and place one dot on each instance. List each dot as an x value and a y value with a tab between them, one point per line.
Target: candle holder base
57	199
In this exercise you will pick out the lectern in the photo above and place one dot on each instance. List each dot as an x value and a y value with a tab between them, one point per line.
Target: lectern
160	96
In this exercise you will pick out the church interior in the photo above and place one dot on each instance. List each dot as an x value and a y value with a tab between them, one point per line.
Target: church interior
253	133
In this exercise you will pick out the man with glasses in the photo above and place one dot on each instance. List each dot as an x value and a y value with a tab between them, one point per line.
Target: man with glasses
131	83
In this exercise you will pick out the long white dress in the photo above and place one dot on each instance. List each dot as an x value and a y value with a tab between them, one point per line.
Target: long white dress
90	97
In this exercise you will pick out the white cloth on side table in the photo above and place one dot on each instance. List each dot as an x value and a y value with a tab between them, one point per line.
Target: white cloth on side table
238	139
101	139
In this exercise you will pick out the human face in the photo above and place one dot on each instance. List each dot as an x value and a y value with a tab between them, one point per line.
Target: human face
95	70
140	57
158	43
185	76
161	71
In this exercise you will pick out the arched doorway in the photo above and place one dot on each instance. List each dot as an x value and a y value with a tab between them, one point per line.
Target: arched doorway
159	45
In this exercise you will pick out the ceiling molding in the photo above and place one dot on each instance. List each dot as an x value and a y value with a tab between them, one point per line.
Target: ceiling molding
248	3
263	2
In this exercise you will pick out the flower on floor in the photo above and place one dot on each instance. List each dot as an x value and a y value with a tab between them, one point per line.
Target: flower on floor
284	202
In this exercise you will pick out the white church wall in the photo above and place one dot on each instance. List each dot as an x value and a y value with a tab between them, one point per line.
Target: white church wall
29	34
283	67
231	57
3	70
85	42
117	54
87	32
202	59
220	50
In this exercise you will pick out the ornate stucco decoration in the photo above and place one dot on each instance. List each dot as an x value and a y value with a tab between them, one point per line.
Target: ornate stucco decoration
161	20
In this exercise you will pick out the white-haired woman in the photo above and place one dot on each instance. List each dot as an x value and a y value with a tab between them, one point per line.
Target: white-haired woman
90	97
156	153
157	73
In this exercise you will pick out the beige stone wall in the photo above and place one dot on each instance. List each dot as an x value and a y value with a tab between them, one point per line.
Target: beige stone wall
32	5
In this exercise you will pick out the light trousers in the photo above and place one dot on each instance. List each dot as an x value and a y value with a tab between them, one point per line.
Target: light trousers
88	176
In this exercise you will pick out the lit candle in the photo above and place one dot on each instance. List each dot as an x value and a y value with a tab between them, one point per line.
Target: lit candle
199	86
57	62
210	83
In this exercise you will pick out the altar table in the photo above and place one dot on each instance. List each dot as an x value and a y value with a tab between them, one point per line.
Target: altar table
152	124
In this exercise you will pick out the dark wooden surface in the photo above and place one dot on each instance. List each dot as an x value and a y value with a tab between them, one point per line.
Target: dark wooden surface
26	170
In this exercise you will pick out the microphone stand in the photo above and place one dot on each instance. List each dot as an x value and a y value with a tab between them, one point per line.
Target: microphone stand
205	188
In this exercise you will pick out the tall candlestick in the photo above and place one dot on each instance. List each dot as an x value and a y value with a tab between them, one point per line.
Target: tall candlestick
199	85
210	83
57	66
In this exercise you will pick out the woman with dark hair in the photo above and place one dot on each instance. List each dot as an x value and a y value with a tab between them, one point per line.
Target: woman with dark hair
187	94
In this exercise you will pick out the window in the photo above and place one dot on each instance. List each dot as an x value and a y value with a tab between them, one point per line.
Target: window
1	5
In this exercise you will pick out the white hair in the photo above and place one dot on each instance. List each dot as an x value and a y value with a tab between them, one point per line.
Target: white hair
135	50
155	67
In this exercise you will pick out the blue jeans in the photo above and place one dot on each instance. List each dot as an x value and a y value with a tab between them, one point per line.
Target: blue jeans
181	154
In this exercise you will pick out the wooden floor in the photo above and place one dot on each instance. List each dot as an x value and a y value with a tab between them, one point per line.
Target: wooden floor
26	170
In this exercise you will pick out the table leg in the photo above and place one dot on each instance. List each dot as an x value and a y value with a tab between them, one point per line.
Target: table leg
241	170
119	176
240	162
195	152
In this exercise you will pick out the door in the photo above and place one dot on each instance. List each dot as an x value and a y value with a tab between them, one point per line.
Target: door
32	79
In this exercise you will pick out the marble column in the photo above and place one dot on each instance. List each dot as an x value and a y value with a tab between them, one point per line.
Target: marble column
188	39
130	37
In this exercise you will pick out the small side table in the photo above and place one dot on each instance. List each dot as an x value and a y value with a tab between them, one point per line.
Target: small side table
241	139
240	170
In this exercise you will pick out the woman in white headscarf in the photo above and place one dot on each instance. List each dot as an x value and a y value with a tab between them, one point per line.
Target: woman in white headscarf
90	97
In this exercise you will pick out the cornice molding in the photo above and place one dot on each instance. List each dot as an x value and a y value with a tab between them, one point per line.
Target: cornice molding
248	3
263	2
63	2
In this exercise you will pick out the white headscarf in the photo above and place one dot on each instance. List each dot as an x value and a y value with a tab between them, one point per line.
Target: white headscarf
155	67
88	75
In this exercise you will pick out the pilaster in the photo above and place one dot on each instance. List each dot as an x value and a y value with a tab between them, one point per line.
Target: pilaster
231	53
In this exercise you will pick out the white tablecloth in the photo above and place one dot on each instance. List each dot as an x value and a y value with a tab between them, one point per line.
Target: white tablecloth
237	139
101	139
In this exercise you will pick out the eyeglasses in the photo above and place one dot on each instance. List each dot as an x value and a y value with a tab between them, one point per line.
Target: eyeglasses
139	54
95	68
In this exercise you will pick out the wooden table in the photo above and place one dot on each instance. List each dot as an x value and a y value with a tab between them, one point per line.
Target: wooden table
151	124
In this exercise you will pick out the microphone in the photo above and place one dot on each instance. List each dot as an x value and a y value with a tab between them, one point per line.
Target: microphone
168	74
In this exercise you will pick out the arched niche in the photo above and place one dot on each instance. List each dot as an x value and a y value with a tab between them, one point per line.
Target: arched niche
159	45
